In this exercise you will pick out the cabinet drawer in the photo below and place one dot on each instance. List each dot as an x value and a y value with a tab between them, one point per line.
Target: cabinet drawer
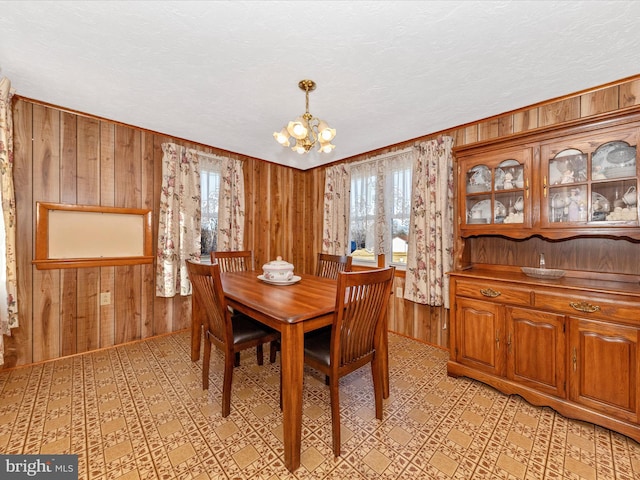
494	291
591	305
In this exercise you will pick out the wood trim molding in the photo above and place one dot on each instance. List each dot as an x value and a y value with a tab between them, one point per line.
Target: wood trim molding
140	241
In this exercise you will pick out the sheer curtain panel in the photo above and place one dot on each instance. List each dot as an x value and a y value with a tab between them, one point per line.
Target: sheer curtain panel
430	252
8	271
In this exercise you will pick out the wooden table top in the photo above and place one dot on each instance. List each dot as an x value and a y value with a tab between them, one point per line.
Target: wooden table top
309	298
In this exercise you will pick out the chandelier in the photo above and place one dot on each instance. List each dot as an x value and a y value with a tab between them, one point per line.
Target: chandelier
307	130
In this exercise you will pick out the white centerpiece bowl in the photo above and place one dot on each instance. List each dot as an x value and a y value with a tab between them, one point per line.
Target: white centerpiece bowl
278	270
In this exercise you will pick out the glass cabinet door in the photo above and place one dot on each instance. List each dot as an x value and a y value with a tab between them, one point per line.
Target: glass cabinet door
592	182
567	197
478	195
495	190
509	192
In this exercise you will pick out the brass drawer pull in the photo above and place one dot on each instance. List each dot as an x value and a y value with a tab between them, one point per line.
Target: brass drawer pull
584	307
490	292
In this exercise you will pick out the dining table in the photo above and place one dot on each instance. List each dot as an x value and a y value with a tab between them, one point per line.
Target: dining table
292	308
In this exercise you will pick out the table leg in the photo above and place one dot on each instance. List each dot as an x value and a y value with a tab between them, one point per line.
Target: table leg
292	364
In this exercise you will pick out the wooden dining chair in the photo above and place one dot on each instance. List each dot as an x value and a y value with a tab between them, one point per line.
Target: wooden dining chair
240	261
230	336
354	338
330	265
236	261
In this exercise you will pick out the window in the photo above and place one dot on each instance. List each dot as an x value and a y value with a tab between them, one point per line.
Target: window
380	208
209	198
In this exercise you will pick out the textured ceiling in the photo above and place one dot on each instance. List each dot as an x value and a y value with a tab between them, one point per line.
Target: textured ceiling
226	74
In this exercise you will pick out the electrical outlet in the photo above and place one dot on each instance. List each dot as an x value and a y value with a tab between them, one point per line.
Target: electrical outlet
399	292
105	298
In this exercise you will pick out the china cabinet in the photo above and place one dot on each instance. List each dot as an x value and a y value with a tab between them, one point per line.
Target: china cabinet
558	186
565	337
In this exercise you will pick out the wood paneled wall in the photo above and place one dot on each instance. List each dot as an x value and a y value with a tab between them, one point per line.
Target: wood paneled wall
63	156
68	157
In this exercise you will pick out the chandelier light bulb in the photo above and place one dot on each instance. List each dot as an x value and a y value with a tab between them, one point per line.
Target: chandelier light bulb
297	129
326	133
299	148
306	129
282	137
326	147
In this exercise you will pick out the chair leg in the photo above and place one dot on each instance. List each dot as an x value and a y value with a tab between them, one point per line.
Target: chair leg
205	363
335	413
236	359
259	354
378	385
273	348
226	385
196	337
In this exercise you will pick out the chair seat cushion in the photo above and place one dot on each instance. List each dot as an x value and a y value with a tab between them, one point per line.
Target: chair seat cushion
317	345
246	329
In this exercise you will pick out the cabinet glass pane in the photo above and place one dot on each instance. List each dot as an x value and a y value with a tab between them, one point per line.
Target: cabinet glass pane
479	210
479	179
613	160
509	207
614	201
568	204
568	166
508	175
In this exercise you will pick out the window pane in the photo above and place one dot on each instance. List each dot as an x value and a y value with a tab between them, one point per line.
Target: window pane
401	210
362	221
210	193
380	206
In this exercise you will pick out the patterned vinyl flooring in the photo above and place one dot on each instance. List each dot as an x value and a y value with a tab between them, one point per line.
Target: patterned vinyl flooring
138	411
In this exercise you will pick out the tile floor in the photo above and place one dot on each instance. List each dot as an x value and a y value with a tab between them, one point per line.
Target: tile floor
138	412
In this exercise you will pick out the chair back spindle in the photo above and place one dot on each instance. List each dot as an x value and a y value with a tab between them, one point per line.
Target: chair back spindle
329	266
236	261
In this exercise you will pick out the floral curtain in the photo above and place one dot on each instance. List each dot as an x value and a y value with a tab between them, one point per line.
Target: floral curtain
336	210
8	271
430	253
179	219
231	210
